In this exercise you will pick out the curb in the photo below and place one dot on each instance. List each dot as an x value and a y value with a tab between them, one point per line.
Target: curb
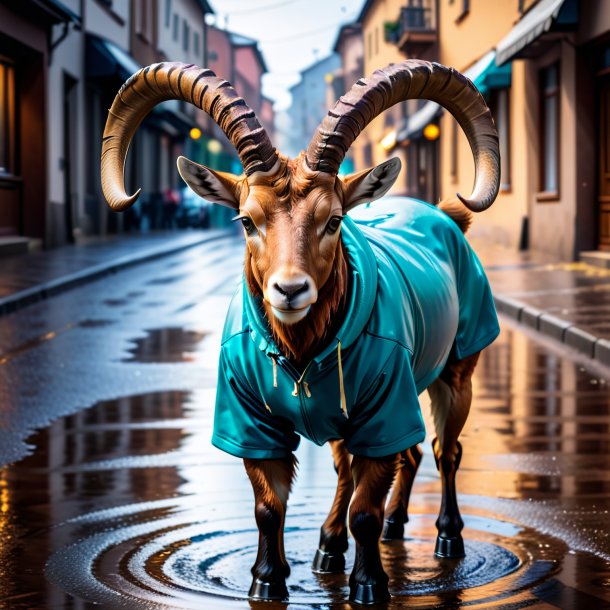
560	330
40	292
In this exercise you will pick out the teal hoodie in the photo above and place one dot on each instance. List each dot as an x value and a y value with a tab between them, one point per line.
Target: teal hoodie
417	290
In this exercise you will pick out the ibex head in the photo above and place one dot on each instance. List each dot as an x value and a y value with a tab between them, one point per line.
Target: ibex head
291	210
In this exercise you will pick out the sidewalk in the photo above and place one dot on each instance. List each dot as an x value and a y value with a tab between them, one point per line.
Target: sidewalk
27	278
569	302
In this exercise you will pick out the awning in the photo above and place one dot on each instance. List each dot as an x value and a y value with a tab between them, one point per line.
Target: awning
546	16
106	59
485	74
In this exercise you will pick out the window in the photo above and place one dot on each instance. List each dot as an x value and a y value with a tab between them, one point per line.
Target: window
168	13
370	45
185	35
175	28
499	105
549	130
196	43
453	169
144	18
464	12
376	41
7	118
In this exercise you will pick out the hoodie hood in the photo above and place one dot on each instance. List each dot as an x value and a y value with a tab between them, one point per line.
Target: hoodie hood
362	267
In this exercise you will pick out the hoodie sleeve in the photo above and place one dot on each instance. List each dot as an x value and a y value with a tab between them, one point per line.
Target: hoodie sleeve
387	418
243	426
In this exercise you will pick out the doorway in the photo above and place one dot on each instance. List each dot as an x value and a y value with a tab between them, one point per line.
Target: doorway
70	121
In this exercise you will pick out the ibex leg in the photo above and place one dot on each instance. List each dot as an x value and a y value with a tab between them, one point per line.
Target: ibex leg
333	534
372	478
451	395
397	508
271	481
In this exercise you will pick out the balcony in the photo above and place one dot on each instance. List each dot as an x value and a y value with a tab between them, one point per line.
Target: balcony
415	30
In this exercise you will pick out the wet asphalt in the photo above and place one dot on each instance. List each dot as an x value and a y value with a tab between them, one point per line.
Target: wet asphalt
112	496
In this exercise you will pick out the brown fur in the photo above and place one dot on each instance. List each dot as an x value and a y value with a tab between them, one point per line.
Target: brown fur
458	212
300	342
335	522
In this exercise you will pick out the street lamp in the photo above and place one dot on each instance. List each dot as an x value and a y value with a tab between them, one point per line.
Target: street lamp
214	147
195	133
431	132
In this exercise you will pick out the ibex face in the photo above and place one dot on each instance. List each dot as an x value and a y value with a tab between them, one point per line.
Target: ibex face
292	220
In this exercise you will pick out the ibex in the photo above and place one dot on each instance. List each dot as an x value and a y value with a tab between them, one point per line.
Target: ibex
339	325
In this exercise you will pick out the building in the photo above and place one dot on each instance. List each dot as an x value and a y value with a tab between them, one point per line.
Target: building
383	23
560	50
61	64
309	103
27	46
541	65
237	59
348	46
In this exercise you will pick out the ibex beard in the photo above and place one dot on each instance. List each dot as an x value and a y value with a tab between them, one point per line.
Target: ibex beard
339	325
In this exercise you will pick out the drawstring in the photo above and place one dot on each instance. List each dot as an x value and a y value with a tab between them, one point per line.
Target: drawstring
274	361
341	386
300	381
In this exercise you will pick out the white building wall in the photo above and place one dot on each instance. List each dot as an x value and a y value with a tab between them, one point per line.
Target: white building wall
67	59
172	39
111	23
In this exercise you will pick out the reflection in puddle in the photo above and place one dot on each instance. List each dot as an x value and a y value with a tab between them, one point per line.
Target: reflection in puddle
166	345
170	279
127	504
91	323
115	302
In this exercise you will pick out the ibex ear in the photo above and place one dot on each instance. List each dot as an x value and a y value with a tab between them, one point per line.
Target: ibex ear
370	184
219	187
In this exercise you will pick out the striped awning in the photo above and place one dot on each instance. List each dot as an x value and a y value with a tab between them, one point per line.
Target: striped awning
546	16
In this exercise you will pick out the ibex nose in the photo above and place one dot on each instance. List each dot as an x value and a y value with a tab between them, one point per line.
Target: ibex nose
292	289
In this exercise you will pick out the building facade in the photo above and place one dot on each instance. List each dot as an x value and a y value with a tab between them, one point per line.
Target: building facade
309	103
26	47
61	64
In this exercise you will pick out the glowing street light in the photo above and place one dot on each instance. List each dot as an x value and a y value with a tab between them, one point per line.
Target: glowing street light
214	147
389	140
431	132
195	133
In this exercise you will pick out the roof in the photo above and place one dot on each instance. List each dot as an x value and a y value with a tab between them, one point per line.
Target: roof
319	62
346	30
239	41
205	7
365	9
546	16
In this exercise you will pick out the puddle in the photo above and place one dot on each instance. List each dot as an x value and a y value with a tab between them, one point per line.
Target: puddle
91	323
115	302
170	279
127	505
166	345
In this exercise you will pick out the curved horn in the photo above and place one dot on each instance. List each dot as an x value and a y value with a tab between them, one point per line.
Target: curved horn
413	79
177	81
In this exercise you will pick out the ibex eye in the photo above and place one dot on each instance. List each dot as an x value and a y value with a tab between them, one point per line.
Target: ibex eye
333	224
248	225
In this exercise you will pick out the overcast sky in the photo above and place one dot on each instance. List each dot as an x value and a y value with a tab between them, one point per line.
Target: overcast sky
292	34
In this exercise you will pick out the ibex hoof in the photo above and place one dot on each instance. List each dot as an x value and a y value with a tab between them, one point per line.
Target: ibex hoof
451	548
393	530
328	563
367	595
267	591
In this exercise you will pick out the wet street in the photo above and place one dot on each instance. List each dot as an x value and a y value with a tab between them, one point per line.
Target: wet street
112	495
